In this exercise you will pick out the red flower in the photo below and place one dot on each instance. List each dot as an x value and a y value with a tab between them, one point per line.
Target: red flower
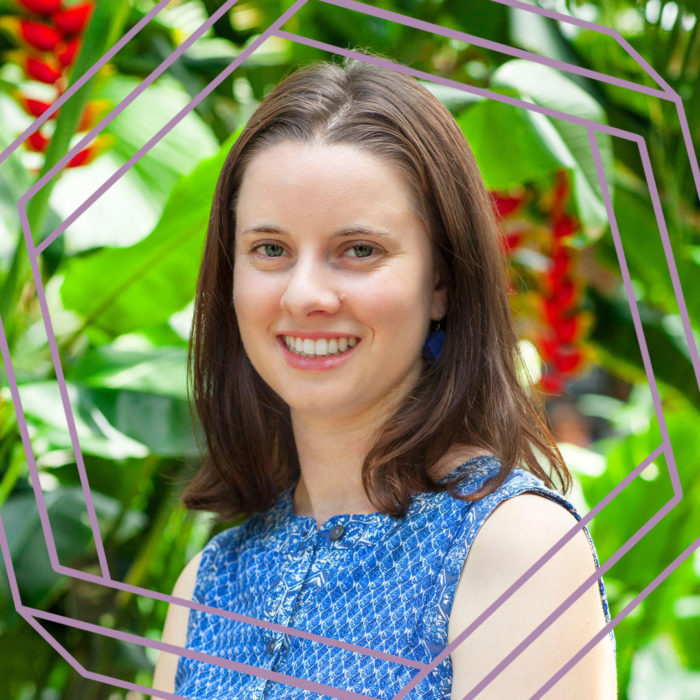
504	204
40	36
73	20
67	51
511	240
566	328
36	142
40	70
561	193
568	359
33	107
552	383
92	113
560	261
564	226
548	347
89	153
41	7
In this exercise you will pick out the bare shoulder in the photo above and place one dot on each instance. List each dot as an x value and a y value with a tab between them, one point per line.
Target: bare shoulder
513	538
175	628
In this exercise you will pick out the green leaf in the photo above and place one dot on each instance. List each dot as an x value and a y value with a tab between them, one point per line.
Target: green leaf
112	423
161	370
567	141
71	531
121	290
129	210
506	144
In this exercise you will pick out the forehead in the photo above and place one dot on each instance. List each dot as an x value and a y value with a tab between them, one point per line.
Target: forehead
319	182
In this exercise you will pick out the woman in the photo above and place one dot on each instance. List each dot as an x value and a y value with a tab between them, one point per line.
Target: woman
369	450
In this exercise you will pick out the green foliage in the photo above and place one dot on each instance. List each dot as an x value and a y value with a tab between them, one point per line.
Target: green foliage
121	280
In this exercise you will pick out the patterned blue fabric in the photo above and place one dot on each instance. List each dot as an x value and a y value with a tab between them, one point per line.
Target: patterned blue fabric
371	580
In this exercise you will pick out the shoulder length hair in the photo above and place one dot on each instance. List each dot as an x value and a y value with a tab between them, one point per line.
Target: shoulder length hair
471	396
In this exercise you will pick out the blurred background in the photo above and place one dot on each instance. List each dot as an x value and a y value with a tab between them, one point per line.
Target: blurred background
120	279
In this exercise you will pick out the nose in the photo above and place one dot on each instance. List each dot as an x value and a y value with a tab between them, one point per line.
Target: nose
311	286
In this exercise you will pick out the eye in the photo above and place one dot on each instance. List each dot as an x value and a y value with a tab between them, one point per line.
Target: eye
365	247
269	246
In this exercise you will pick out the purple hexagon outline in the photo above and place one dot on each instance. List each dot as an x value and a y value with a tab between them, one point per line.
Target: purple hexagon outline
665	445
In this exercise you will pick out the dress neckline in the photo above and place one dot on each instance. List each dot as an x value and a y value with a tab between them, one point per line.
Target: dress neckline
359	528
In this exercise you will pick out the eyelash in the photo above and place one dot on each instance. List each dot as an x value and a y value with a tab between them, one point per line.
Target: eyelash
357	245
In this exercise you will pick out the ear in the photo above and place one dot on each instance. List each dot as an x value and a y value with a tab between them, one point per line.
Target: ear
439	301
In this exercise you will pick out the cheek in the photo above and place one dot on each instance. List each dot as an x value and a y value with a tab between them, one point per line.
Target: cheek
254	296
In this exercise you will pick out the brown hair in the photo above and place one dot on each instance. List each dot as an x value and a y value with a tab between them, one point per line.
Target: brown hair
471	395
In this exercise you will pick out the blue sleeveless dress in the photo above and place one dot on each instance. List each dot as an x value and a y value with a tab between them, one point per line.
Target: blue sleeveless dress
383	587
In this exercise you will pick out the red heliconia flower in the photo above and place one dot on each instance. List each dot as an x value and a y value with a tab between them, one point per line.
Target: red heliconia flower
568	359
551	311
89	153
92	113
560	260
548	347
511	240
38	35
73	19
552	383
505	204
564	226
67	51
41	7
33	107
37	142
566	328
563	292
560	192
41	70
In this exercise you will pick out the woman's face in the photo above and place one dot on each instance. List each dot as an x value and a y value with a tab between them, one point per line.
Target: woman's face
328	245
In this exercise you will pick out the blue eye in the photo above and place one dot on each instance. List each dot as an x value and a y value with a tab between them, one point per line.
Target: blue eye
269	245
366	247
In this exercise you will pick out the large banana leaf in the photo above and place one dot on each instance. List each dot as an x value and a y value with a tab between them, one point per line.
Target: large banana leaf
121	290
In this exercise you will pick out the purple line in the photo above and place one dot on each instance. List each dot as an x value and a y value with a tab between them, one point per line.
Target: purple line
83	79
668	251
629	544
167	127
594	28
198	656
137	590
481	92
496	46
72	430
109	118
29	453
619	617
82	671
493	607
612	221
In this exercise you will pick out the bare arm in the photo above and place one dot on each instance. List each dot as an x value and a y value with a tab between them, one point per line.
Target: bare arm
514	537
175	629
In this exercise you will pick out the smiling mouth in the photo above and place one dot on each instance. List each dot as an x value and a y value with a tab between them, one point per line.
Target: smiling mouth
323	347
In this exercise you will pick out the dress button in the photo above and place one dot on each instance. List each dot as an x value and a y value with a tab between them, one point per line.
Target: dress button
337	531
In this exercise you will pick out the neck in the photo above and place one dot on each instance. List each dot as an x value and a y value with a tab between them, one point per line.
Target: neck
331	457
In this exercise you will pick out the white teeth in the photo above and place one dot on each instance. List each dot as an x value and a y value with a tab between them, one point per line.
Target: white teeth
321	347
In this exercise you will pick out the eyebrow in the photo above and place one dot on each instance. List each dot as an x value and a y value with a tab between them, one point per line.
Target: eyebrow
342	233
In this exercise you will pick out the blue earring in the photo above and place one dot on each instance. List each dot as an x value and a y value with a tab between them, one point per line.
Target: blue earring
433	345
